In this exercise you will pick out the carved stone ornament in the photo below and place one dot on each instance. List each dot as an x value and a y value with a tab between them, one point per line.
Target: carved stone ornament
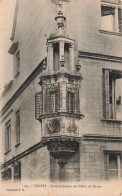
44	66
62	150
72	129
78	65
53	126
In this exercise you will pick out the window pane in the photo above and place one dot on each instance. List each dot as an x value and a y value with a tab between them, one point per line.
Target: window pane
18	126
112	162
118	99
7	136
71	97
107	22
113	174
52	102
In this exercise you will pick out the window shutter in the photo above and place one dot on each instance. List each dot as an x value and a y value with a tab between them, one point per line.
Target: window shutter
6	174
17	171
9	173
47	101
18	126
106	166
6	146
7	135
38	105
57	101
120	19
77	101
107	94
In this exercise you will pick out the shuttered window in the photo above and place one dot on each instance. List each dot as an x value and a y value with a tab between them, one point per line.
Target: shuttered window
38	105
17	171
52	101
8	136
18	126
120	19
112	94
6	174
72	101
113	165
111	18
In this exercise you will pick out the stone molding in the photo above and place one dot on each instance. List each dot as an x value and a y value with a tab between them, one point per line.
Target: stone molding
98	56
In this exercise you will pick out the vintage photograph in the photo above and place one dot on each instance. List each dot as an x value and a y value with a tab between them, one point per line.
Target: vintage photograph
61	90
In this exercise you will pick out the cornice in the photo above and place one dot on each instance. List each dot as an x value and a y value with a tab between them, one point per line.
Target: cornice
6	116
98	56
13	48
23	154
85	137
58	114
105	138
7	88
110	32
60	74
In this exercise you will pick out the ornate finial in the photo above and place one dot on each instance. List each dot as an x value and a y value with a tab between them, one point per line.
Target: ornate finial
60	18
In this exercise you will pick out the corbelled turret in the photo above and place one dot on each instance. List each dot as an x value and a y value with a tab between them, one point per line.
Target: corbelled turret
58	105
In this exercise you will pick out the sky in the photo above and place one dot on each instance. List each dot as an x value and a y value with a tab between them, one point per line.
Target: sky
6	60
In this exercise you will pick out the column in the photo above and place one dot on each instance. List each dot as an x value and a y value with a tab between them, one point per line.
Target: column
62	97
116	20
61	54
71	56
50	57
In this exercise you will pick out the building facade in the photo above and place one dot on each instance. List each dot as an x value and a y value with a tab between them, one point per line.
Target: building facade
62	112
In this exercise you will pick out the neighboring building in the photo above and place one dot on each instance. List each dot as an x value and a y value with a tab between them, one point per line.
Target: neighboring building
61	116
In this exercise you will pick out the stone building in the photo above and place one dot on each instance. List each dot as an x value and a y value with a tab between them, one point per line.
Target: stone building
61	116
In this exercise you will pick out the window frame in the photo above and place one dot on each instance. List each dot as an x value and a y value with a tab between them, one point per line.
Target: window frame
18	126
116	11
118	160
17	175
106	93
48	101
6	174
8	136
38	104
76	107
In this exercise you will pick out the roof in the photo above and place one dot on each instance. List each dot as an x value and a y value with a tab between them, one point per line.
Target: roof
61	32
15	19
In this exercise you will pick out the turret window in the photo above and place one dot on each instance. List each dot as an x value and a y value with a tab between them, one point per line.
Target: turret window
52	101
72	101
